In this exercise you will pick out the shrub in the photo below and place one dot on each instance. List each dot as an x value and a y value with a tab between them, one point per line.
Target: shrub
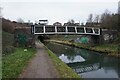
7	50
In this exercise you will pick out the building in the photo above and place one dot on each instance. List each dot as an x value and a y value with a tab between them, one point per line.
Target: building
57	24
43	22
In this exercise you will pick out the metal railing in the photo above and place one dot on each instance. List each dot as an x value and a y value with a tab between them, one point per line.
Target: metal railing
46	29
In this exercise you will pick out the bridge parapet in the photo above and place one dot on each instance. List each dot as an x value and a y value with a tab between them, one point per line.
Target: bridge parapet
50	29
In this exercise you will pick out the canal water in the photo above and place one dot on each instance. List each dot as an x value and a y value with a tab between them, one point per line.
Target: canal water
86	63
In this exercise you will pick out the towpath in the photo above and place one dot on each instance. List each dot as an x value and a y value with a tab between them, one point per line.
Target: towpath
40	66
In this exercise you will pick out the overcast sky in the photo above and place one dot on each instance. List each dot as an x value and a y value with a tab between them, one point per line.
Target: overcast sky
55	10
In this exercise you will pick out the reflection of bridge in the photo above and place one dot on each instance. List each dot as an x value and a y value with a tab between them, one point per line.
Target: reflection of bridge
50	29
88	65
84	68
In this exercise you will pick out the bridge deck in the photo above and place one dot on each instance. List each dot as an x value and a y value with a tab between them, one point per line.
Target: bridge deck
50	29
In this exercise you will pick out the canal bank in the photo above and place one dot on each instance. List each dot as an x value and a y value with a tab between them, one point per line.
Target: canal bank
101	49
64	70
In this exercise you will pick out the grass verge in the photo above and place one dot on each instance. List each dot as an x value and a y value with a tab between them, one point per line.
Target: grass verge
64	70
13	64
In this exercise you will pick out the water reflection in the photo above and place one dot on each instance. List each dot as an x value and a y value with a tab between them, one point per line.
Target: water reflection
69	59
86	63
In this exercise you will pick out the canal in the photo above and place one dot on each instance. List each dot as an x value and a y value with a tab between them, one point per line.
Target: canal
86	63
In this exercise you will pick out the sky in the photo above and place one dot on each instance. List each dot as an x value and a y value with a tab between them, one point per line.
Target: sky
55	10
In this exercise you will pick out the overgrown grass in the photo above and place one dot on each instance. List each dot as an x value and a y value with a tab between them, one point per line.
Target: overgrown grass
108	47
7	43
13	64
63	69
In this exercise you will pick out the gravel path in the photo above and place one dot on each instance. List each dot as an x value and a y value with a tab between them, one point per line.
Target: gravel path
40	66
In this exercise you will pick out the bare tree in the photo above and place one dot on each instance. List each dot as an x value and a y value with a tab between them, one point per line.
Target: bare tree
106	19
97	18
90	18
82	24
71	21
20	20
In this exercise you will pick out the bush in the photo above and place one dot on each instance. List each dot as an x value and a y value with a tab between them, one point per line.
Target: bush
7	50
